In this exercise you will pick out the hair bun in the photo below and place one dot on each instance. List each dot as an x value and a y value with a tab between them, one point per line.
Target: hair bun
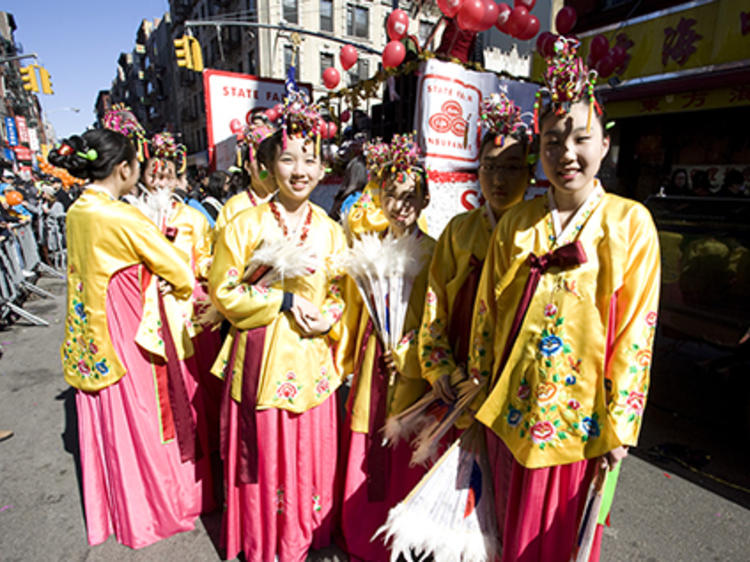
71	154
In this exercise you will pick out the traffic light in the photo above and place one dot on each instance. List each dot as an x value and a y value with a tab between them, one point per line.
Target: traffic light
183	52
46	82
28	75
196	54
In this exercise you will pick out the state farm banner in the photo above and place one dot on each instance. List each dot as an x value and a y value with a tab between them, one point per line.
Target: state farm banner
448	115
231	96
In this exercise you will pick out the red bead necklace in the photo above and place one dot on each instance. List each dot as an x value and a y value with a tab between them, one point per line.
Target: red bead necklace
253	200
282	224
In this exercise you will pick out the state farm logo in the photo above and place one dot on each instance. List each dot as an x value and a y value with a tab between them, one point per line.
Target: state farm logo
450	118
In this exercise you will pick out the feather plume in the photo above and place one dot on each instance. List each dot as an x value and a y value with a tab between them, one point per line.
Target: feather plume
157	205
450	514
281	259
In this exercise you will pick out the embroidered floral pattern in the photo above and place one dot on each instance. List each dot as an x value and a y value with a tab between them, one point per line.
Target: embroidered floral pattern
323	383
80	353
317	507
289	388
280	501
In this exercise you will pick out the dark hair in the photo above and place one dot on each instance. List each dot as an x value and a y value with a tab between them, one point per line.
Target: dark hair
420	179
733	177
215	187
93	155
600	116
674	176
267	149
490	137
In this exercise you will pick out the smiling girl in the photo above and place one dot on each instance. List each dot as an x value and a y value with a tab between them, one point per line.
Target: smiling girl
277	362
385	381
563	328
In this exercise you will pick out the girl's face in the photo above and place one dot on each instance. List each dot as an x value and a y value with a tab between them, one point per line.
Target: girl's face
297	170
570	155
680	179
160	174
503	174
401	202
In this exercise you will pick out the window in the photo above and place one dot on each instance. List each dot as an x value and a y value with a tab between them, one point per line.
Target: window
359	72
288	53
289	9
326	15
425	28
326	61
357	21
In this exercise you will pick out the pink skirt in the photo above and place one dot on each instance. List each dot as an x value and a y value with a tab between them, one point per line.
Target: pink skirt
291	507
134	484
539	509
361	517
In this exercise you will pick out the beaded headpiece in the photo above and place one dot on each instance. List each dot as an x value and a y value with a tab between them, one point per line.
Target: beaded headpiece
567	81
300	119
252	137
400	156
165	147
500	116
122	120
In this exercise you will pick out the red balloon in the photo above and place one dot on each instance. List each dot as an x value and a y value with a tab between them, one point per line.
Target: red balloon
449	7
393	54
272	114
531	29
599	47
528	4
348	56
279	109
470	15
605	66
619	54
491	12
503	13
235	125
397	25
565	20
545	43
331	129
345	116
517	21
331	77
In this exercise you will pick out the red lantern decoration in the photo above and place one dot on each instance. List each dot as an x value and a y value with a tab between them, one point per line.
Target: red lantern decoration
605	66
393	54
449	7
345	116
517	21
599	47
331	78
619	55
397	25
545	43
13	197
528	4
490	15
531	29
470	15
348	56
503	14
565	20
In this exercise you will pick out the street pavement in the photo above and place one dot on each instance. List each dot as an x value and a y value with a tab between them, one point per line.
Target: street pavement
662	512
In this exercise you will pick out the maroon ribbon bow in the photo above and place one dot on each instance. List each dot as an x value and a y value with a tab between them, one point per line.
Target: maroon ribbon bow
564	257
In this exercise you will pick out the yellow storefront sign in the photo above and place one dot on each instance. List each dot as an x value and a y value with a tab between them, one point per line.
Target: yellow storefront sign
697	100
688	37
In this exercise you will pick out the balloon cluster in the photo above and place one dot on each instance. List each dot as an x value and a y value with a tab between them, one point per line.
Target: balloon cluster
63	175
481	15
603	58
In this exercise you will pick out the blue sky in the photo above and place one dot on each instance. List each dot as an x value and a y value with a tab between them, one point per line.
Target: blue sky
78	42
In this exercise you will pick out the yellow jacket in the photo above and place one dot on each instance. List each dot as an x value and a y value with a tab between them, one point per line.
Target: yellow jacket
296	373
105	236
577	376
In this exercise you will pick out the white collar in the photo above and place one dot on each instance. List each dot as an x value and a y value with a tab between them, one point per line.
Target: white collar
561	233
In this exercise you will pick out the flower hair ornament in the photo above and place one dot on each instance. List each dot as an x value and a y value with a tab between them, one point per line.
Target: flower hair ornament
500	116
300	119
400	156
252	137
122	120
567	80
165	147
